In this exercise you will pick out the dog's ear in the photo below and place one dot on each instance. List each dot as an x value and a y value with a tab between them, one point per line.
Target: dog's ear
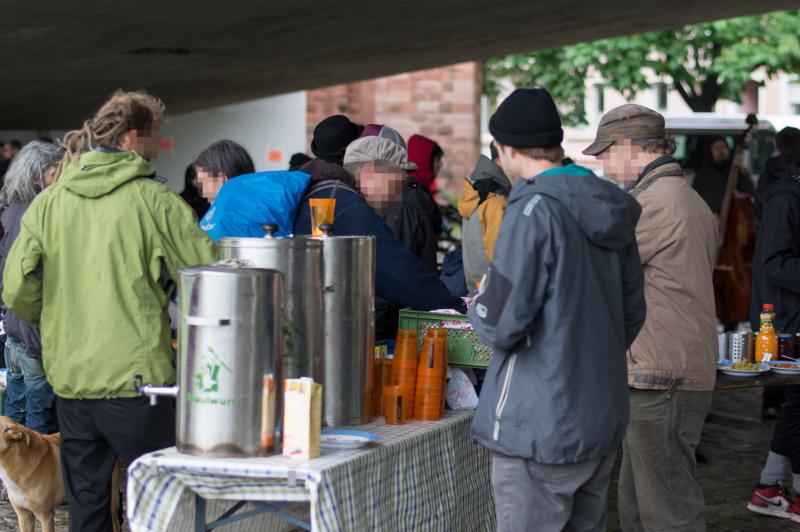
12	434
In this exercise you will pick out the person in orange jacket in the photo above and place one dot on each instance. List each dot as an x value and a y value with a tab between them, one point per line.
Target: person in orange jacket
482	207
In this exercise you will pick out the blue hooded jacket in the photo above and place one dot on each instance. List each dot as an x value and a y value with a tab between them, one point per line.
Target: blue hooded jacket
249	201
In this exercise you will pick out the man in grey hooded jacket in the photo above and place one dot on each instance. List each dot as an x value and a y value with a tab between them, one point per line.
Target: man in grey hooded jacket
562	301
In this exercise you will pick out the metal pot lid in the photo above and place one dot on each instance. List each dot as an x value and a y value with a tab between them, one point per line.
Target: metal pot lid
270	243
223	269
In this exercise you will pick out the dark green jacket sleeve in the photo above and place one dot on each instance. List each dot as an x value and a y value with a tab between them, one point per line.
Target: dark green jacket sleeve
22	284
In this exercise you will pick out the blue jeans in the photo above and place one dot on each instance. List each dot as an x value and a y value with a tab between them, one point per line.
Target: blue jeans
30	400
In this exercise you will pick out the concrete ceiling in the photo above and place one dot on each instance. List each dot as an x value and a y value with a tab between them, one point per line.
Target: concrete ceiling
61	59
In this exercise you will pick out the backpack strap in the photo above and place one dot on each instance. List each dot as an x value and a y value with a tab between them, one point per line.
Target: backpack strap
327	185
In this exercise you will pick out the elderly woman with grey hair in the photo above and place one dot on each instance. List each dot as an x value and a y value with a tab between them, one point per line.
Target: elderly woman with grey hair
30	399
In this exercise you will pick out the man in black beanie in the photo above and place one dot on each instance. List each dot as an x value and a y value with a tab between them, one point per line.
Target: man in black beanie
562	301
332	136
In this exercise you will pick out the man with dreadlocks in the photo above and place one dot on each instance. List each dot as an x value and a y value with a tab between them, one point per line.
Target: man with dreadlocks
103	237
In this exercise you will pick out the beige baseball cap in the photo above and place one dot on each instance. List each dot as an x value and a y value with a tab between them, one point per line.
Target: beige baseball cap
629	121
370	149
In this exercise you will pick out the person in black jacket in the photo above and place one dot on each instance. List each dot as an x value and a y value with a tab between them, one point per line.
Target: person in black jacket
400	278
776	280
30	401
787	145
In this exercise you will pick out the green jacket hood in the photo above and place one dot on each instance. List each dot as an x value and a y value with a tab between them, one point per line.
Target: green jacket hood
97	173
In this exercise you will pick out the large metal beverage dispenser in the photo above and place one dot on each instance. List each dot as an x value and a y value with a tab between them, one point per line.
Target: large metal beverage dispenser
230	348
300	261
348	374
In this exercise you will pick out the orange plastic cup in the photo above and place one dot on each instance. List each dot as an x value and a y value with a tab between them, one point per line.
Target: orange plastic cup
428	398
396	405
404	363
377	388
322	210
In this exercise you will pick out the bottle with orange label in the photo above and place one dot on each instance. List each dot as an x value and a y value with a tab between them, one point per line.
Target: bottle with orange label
767	339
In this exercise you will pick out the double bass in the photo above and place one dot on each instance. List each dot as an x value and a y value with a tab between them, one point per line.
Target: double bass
733	273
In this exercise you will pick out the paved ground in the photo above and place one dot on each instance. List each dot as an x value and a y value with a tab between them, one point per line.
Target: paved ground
735	443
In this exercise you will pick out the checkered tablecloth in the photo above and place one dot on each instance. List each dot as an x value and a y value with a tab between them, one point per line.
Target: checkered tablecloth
419	476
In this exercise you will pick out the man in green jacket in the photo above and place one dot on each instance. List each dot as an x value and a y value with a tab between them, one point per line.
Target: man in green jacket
91	264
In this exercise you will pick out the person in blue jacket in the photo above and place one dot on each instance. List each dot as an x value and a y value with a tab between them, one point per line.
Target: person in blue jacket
400	277
245	200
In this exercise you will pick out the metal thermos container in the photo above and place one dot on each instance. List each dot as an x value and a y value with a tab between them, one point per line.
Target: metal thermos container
348	374
300	261
740	346
229	360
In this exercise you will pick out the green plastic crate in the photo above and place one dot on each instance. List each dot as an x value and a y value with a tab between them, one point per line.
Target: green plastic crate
463	348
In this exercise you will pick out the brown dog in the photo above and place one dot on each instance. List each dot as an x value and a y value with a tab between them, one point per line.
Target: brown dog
30	467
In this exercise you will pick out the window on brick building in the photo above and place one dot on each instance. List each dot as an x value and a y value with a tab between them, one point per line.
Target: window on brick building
662	94
600	93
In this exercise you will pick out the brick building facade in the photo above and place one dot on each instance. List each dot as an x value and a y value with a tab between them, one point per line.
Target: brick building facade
441	103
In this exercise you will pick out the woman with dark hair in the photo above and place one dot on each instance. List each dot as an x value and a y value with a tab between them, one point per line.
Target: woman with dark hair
191	192
244	205
220	162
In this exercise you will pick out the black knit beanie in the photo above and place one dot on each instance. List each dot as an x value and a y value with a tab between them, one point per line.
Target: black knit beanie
528	118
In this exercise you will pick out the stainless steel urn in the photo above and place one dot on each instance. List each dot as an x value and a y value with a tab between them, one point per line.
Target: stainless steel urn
349	329
229	360
300	261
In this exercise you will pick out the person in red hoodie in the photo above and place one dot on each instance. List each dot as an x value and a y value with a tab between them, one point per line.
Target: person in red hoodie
428	157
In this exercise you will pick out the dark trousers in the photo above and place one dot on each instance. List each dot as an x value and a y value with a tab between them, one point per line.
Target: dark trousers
774	396
657	487
94	432
786	437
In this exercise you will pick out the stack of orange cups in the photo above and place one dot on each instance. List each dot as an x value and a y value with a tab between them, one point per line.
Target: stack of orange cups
431	376
404	368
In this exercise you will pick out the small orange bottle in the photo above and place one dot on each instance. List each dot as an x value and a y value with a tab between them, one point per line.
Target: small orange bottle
767	340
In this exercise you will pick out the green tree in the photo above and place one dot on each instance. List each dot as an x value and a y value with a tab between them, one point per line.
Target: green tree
703	62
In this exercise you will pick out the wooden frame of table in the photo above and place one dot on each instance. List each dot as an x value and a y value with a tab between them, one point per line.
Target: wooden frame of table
726	382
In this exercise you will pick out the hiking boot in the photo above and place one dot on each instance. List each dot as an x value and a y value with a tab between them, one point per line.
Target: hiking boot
774	501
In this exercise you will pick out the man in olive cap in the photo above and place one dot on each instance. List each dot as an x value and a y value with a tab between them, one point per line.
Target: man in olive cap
562	301
672	363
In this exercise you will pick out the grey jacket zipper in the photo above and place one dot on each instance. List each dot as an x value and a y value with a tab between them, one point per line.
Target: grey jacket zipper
501	403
